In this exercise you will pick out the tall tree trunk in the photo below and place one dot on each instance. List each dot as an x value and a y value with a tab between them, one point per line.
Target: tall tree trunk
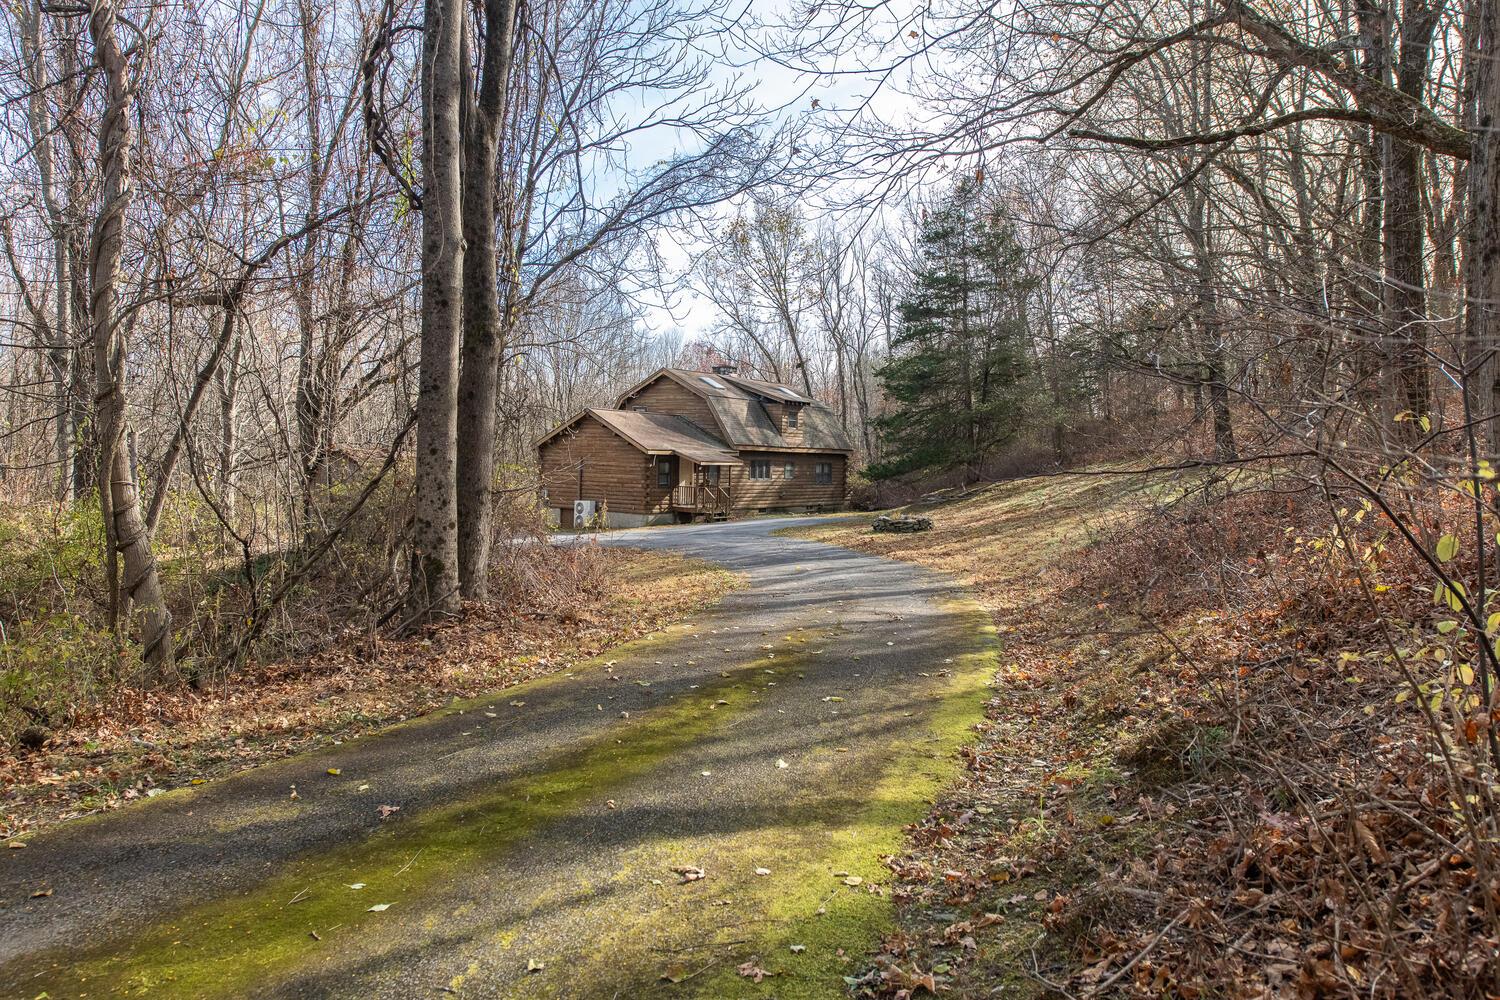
483	324
1209	328
1374	62
1405	273
1482	243
1209	324
434	560
125	527
312	389
34	44
228	377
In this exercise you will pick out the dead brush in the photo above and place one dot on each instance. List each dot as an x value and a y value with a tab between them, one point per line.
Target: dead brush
1344	843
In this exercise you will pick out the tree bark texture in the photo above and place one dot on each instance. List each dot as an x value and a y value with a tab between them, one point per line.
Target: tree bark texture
434	588
134	576
483	323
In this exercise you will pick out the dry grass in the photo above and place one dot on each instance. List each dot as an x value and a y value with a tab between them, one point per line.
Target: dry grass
1036	812
1204	771
139	741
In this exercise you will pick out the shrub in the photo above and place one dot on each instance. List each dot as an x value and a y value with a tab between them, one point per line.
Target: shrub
54	667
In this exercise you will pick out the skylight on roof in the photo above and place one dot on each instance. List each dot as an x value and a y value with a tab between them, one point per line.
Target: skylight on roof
712	381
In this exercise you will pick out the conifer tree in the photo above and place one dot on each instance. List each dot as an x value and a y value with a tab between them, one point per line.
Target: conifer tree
956	377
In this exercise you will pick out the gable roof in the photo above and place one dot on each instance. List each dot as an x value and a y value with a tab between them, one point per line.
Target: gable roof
657	434
738	408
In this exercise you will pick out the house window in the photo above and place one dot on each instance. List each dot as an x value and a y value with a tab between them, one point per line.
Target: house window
663	473
823	472
639	409
791	420
789	471
713	475
760	468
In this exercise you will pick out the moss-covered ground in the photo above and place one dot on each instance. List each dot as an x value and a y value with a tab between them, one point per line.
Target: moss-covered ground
112	756
795	932
992	877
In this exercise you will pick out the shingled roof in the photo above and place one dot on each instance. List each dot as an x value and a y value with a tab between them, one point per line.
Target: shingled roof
768	390
737	405
659	434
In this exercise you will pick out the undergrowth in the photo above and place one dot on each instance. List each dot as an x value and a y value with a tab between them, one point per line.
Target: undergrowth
1237	749
81	731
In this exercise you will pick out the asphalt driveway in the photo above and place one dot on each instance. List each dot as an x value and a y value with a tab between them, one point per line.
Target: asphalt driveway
701	814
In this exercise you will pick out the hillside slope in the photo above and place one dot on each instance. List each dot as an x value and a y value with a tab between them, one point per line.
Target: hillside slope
1213	761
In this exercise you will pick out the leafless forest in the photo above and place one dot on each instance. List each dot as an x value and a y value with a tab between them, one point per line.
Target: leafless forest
290	288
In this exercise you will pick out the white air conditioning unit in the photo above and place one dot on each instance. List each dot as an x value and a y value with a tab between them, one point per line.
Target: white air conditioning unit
585	512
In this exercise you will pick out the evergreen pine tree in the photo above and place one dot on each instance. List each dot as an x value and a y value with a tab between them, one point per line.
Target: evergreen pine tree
955	377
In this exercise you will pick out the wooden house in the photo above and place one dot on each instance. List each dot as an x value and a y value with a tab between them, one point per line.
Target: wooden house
689	445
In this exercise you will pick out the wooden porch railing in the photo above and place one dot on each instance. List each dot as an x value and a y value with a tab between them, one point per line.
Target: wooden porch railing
701	496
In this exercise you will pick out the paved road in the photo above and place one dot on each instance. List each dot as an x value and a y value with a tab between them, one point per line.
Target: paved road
777	742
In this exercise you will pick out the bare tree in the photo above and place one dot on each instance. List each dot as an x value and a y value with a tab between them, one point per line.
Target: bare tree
434	562
135	582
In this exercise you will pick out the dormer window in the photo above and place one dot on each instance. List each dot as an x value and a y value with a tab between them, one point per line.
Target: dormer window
791	417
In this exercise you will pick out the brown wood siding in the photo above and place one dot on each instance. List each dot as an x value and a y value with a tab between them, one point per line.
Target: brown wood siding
801	491
658	498
666	395
614	470
791	435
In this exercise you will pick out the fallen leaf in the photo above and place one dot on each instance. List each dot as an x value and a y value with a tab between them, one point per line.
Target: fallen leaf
379	908
532	965
690	873
385	811
781	763
751	971
355	885
675	973
798	949
762	872
15	845
335	771
854	880
517	704
40	893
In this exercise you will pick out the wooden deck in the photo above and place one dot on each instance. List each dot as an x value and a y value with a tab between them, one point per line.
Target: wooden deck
702	498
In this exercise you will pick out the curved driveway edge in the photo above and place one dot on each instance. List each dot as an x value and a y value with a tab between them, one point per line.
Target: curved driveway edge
777	744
